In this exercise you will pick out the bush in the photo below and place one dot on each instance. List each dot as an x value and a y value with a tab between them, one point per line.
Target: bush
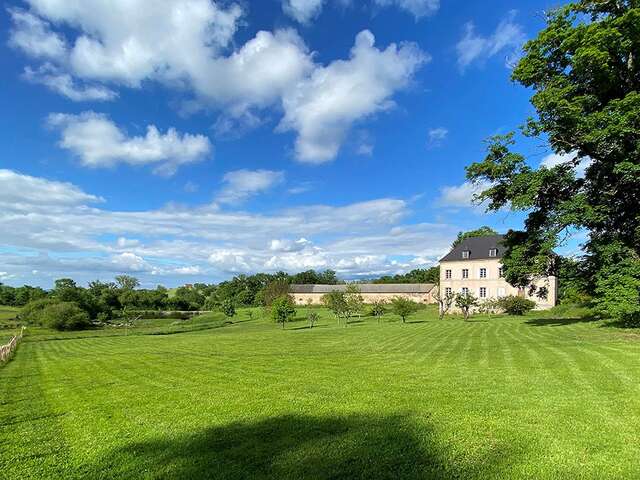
283	309
32	312
514	305
65	316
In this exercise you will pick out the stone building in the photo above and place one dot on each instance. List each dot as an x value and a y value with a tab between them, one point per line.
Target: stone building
475	266
371	292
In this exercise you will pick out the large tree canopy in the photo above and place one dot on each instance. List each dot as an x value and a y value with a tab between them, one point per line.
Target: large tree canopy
584	71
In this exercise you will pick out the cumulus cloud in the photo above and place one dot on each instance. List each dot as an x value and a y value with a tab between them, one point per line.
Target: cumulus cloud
43	221
302	10
555	159
323	107
126	42
461	195
99	142
418	8
507	38
242	184
65	85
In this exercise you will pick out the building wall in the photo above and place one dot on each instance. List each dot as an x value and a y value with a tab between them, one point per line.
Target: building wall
316	298
494	284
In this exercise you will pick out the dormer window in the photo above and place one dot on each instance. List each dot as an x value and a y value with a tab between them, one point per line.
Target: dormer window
465	254
493	252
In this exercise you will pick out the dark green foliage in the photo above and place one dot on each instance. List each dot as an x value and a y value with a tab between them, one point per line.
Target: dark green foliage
65	316
311	277
274	290
228	308
283	309
336	302
31	313
419	275
584	71
573	284
480	232
19	296
403	307
514	305
127	282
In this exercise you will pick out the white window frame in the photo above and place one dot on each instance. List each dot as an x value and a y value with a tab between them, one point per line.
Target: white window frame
447	274
447	291
466	254
465	273
493	252
483	292
465	290
482	273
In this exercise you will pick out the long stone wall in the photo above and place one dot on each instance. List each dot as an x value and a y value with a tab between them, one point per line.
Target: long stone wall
316	298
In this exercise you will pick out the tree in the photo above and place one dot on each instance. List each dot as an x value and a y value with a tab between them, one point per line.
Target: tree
489	306
585	77
418	275
335	301
313	317
65	316
127	282
403	307
378	309
274	290
465	302
445	301
283	309
228	308
353	300
480	232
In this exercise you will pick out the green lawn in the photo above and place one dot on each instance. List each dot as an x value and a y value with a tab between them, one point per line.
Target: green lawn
533	397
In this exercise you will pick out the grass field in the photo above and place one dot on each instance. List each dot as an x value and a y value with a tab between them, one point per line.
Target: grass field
533	397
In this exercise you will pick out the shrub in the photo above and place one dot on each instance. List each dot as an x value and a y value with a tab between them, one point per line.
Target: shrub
514	305
283	309
31	313
466	302
65	316
403	307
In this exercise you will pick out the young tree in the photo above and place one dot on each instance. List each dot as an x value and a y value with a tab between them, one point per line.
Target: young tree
514	305
354	301
313	317
465	302
283	309
584	71
335	302
228	308
378	309
403	307
445	302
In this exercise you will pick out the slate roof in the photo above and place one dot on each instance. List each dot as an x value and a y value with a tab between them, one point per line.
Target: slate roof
366	288
478	248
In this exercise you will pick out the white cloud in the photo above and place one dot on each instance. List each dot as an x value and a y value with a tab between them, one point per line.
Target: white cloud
65	85
418	8
555	159
302	10
99	142
508	37
52	227
33	35
461	195
437	135
323	107
242	184
24	191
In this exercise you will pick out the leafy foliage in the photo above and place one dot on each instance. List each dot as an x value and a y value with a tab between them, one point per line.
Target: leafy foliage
403	307
585	75
480	232
283	310
419	275
466	302
514	305
228	308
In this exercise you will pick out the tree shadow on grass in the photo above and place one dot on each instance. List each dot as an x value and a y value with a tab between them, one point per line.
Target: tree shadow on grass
559	322
299	447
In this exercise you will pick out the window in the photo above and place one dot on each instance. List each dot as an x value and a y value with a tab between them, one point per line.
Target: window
465	291
447	291
447	274
493	252
483	292
465	253
465	273
483	273
500	273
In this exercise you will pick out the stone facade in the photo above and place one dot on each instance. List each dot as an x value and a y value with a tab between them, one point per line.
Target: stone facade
420	293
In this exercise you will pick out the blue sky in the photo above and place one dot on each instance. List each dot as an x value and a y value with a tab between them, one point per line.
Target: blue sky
193	140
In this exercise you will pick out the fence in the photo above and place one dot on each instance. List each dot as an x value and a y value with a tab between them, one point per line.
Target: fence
7	351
